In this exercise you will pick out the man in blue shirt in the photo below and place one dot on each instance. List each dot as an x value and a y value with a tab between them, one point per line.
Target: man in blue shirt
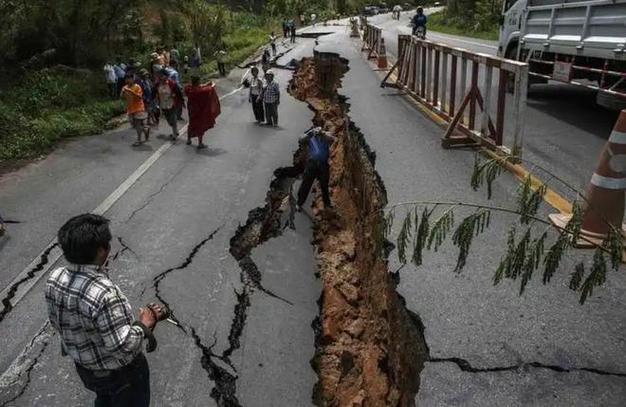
317	165
419	20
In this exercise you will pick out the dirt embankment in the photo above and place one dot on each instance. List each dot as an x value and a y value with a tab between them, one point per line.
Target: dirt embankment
370	348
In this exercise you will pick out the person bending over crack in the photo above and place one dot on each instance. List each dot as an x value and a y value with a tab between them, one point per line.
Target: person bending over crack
94	318
316	166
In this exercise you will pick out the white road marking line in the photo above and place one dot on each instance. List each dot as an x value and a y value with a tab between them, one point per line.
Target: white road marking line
101	209
407	30
451	38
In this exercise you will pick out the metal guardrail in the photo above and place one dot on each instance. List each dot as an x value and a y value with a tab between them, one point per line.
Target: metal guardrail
436	75
371	40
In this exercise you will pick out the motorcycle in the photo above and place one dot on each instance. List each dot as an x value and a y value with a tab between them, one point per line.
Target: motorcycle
420	32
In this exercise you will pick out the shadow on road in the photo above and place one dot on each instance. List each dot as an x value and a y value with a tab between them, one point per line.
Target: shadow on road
573	105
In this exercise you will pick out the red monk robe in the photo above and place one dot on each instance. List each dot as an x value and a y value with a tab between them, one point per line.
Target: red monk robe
203	106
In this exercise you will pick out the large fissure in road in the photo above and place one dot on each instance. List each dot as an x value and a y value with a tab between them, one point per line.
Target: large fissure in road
370	348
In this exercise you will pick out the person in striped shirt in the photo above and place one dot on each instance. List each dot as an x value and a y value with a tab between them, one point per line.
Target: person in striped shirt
271	99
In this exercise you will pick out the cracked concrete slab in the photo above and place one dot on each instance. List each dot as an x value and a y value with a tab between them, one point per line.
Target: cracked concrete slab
278	340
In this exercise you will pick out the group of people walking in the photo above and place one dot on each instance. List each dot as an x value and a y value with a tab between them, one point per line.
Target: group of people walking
158	92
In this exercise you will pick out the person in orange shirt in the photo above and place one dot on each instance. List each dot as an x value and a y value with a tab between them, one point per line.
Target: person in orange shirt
137	115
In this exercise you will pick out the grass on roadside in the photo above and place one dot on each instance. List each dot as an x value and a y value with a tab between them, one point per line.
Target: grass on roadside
46	106
437	22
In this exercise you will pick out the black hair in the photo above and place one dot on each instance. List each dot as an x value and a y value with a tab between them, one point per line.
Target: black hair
195	80
82	236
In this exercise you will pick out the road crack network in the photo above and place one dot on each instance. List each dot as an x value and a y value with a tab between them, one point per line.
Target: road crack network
17	371
154	194
466	366
156	281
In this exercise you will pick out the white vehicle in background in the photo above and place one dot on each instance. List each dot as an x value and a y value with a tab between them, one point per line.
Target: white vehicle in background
578	42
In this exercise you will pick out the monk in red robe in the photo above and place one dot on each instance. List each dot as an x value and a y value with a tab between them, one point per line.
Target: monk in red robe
203	106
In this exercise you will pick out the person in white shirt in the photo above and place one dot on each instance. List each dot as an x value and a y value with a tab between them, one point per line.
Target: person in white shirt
255	97
273	43
111	79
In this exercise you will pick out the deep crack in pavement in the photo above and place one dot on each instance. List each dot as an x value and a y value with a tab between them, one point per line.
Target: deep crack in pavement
6	301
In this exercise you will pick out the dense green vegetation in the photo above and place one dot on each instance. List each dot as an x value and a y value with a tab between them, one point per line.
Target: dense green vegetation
51	80
474	18
47	105
439	22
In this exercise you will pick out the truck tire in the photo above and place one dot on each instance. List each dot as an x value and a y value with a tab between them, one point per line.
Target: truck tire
610	101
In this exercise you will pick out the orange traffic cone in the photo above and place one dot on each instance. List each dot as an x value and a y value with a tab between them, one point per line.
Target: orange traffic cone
604	205
382	55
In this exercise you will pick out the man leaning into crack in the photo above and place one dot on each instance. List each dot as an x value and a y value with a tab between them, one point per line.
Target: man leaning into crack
318	154
94	318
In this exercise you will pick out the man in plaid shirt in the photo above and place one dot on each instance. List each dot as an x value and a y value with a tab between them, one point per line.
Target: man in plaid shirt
271	99
94	318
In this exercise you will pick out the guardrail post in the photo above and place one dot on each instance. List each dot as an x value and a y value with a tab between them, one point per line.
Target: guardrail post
436	78
502	83
484	126
463	79
444	82
519	107
453	85
474	86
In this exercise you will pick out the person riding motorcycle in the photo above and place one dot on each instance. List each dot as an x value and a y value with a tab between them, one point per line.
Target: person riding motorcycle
419	20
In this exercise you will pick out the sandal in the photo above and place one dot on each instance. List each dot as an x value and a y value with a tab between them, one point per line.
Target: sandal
136	144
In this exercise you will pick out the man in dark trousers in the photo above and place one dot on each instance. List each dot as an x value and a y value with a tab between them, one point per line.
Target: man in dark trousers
94	318
318	142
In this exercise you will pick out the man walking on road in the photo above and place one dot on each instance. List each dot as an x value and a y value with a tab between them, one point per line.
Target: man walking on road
219	56
292	28
316	166
203	106
273	43
170	100
137	114
94	318
255	97
271	99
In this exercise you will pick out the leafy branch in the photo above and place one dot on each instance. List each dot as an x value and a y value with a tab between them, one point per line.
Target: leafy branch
524	254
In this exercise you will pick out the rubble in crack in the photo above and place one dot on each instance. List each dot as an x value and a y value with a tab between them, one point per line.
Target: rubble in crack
369	348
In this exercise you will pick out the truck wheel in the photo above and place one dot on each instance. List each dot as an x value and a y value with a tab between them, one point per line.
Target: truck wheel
610	101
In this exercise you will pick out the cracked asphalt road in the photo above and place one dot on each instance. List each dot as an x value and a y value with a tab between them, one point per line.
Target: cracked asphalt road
160	226
464	316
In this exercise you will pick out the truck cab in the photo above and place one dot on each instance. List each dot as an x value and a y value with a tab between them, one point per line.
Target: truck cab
510	27
580	42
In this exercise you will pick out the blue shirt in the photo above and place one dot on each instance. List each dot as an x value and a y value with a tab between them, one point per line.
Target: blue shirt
419	20
319	150
119	71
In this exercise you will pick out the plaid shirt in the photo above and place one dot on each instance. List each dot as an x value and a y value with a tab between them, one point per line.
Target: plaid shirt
271	92
93	317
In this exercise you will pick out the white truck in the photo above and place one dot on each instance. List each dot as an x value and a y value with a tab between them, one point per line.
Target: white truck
578	42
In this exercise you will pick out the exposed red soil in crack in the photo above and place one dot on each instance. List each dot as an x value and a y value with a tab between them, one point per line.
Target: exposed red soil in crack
370	351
